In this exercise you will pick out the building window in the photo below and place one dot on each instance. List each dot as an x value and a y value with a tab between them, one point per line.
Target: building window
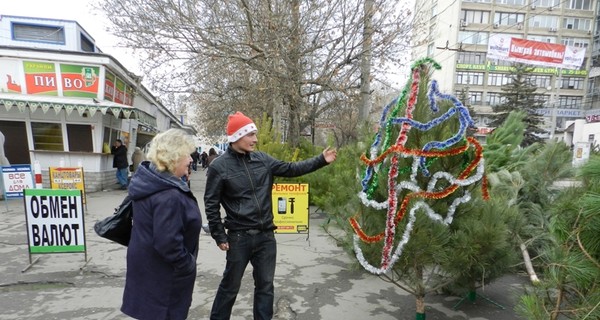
17	151
543	99
542	21
540	81
545	3
86	44
80	137
109	137
571	83
480	1
499	79
511	2
508	18
475	16
580	4
547	39
577	24
500	62
430	50
494	99
570	102
475	97
38	33
473	37
471	57
47	136
575	42
475	78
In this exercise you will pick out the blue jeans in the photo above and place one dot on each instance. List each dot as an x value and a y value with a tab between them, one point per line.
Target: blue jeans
122	176
260	250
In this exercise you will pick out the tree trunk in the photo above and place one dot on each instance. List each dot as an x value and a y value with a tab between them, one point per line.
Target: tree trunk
420	293
528	266
365	64
293	92
420	315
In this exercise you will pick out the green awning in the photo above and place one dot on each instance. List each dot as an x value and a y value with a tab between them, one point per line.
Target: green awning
81	105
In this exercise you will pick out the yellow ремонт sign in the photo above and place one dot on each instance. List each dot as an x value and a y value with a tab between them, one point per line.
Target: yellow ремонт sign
290	207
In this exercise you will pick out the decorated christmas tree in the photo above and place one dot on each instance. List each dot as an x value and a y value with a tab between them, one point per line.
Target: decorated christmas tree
420	169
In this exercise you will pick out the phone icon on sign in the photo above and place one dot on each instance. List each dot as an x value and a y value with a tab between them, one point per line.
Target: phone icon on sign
281	205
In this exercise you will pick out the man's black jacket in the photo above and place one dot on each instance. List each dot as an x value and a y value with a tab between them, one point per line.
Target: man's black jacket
119	156
242	184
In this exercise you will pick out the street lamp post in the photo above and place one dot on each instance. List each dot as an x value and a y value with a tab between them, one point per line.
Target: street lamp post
554	98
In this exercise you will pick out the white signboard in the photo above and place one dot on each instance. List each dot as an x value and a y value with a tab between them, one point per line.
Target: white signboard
54	220
16	178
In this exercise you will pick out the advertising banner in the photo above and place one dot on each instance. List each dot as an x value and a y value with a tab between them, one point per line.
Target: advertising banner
54	221
119	91
504	47
40	78
10	72
290	207
129	94
109	86
79	81
16	178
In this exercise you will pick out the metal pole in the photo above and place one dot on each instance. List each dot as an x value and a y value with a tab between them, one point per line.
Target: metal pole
555	103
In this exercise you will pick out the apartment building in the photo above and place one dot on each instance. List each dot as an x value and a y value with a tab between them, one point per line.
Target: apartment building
63	101
457	35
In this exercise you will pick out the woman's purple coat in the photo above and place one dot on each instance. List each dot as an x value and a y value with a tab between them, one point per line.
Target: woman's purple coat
161	258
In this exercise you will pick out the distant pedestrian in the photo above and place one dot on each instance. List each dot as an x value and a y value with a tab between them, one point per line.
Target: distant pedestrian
162	252
240	181
119	152
203	159
3	159
136	158
212	154
195	159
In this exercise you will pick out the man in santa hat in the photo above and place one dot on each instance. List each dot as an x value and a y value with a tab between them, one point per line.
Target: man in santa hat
240	180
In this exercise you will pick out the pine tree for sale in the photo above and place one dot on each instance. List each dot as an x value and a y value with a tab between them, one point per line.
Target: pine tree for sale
420	168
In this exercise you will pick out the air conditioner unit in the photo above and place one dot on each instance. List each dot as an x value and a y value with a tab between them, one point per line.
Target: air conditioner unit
533	7
589	31
552	29
550	8
519	26
496	26
464	23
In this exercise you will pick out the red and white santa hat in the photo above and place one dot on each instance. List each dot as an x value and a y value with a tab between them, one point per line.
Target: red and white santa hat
238	126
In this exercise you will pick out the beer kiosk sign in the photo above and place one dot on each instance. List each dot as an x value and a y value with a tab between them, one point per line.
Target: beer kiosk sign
54	220
290	207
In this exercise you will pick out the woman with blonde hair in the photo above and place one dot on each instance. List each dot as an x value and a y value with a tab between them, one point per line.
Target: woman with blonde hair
162	252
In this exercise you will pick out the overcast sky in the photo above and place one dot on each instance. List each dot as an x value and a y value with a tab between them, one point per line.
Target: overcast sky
77	10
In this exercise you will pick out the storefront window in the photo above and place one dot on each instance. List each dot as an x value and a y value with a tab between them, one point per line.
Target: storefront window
80	137
110	135
47	136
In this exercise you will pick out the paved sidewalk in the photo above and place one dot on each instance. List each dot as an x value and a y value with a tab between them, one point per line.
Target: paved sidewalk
314	279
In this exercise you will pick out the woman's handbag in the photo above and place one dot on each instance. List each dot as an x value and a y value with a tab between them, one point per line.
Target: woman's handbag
117	227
